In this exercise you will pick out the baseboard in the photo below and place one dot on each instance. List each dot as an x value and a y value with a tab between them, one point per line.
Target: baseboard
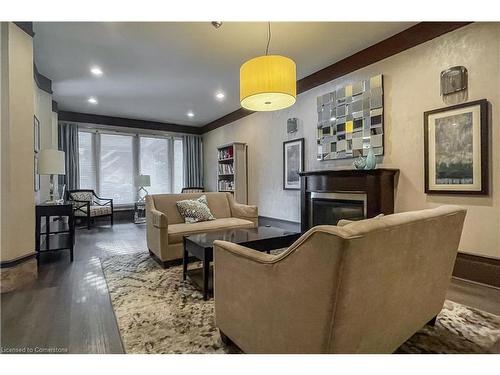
17	261
18	272
280	223
478	268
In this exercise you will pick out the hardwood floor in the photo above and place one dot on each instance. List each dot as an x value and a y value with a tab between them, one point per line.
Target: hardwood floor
68	308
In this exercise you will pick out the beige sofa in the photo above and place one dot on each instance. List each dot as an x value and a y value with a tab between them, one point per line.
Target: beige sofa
166	227
365	287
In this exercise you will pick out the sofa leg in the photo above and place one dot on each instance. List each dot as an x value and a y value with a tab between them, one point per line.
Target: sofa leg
432	322
225	340
156	259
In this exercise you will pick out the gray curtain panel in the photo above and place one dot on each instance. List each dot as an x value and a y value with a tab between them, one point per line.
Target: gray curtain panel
193	161
68	142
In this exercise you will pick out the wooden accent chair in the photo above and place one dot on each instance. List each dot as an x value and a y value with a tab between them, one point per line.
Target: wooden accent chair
192	190
86	204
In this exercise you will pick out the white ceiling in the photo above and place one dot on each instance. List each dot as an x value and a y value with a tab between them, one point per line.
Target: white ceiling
160	71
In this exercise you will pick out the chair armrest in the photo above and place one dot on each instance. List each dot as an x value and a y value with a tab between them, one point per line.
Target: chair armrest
158	219
244	252
242	211
343	222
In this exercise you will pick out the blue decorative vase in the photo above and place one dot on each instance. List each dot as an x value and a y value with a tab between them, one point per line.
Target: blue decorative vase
360	163
371	159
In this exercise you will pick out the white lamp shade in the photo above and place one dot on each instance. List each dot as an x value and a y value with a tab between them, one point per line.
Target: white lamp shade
51	162
143	180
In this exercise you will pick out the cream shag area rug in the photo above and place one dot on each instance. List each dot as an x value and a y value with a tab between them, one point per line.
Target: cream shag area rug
159	313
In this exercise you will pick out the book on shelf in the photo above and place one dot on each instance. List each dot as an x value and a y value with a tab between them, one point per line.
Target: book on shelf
226	185
226	169
226	153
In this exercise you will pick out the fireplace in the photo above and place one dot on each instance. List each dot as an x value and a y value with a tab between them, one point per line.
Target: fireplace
329	196
329	208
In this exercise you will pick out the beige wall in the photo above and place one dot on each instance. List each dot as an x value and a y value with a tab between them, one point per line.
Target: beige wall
411	86
17	198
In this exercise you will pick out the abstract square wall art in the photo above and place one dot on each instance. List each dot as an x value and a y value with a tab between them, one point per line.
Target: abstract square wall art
351	119
456	149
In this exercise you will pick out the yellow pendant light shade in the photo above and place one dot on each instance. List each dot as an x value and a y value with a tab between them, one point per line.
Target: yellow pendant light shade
268	83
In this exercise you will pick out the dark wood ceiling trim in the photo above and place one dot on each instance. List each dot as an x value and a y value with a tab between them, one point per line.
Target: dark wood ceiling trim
27	27
227	119
406	39
126	122
41	81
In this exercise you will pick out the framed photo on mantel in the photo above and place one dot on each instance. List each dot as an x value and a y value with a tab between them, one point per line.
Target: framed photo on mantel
456	149
293	163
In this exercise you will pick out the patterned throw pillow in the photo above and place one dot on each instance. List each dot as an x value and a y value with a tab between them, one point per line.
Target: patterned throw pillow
196	210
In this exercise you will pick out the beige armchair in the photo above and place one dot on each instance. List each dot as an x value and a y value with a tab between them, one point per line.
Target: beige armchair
166	227
365	287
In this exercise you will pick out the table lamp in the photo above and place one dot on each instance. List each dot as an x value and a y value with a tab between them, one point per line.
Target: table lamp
51	162
143	180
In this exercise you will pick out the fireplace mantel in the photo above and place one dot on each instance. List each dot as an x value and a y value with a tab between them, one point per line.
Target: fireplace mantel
378	185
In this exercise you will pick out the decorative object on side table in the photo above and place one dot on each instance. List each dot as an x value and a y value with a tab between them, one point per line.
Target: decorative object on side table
51	162
350	119
142	181
293	163
456	149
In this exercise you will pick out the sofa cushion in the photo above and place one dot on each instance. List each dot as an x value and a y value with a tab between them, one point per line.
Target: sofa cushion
195	210
177	231
166	203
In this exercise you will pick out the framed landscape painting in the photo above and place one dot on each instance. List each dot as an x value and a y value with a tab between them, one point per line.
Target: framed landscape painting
456	149
293	163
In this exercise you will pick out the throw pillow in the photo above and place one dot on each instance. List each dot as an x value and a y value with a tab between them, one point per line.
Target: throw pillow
195	210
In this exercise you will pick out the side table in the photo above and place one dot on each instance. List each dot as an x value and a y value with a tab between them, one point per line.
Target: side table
140	212
61	236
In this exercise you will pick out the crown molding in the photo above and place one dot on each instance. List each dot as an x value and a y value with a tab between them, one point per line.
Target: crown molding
27	27
42	82
89	118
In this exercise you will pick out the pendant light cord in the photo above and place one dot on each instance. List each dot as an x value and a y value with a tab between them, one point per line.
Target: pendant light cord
268	37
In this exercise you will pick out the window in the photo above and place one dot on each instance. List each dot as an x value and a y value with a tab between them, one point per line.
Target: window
86	160
116	170
155	163
109	163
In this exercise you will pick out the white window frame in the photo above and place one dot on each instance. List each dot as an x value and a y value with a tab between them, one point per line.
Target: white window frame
96	141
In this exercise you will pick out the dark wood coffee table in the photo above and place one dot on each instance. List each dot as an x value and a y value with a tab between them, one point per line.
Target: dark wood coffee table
200	246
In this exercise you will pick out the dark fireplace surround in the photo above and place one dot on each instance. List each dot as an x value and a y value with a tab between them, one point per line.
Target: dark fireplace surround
330	195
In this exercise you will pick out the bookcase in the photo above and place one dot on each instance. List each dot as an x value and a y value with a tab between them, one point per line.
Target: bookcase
232	174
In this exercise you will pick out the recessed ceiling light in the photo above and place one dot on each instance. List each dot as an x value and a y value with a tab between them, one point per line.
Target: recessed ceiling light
92	100
190	114
96	71
220	95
